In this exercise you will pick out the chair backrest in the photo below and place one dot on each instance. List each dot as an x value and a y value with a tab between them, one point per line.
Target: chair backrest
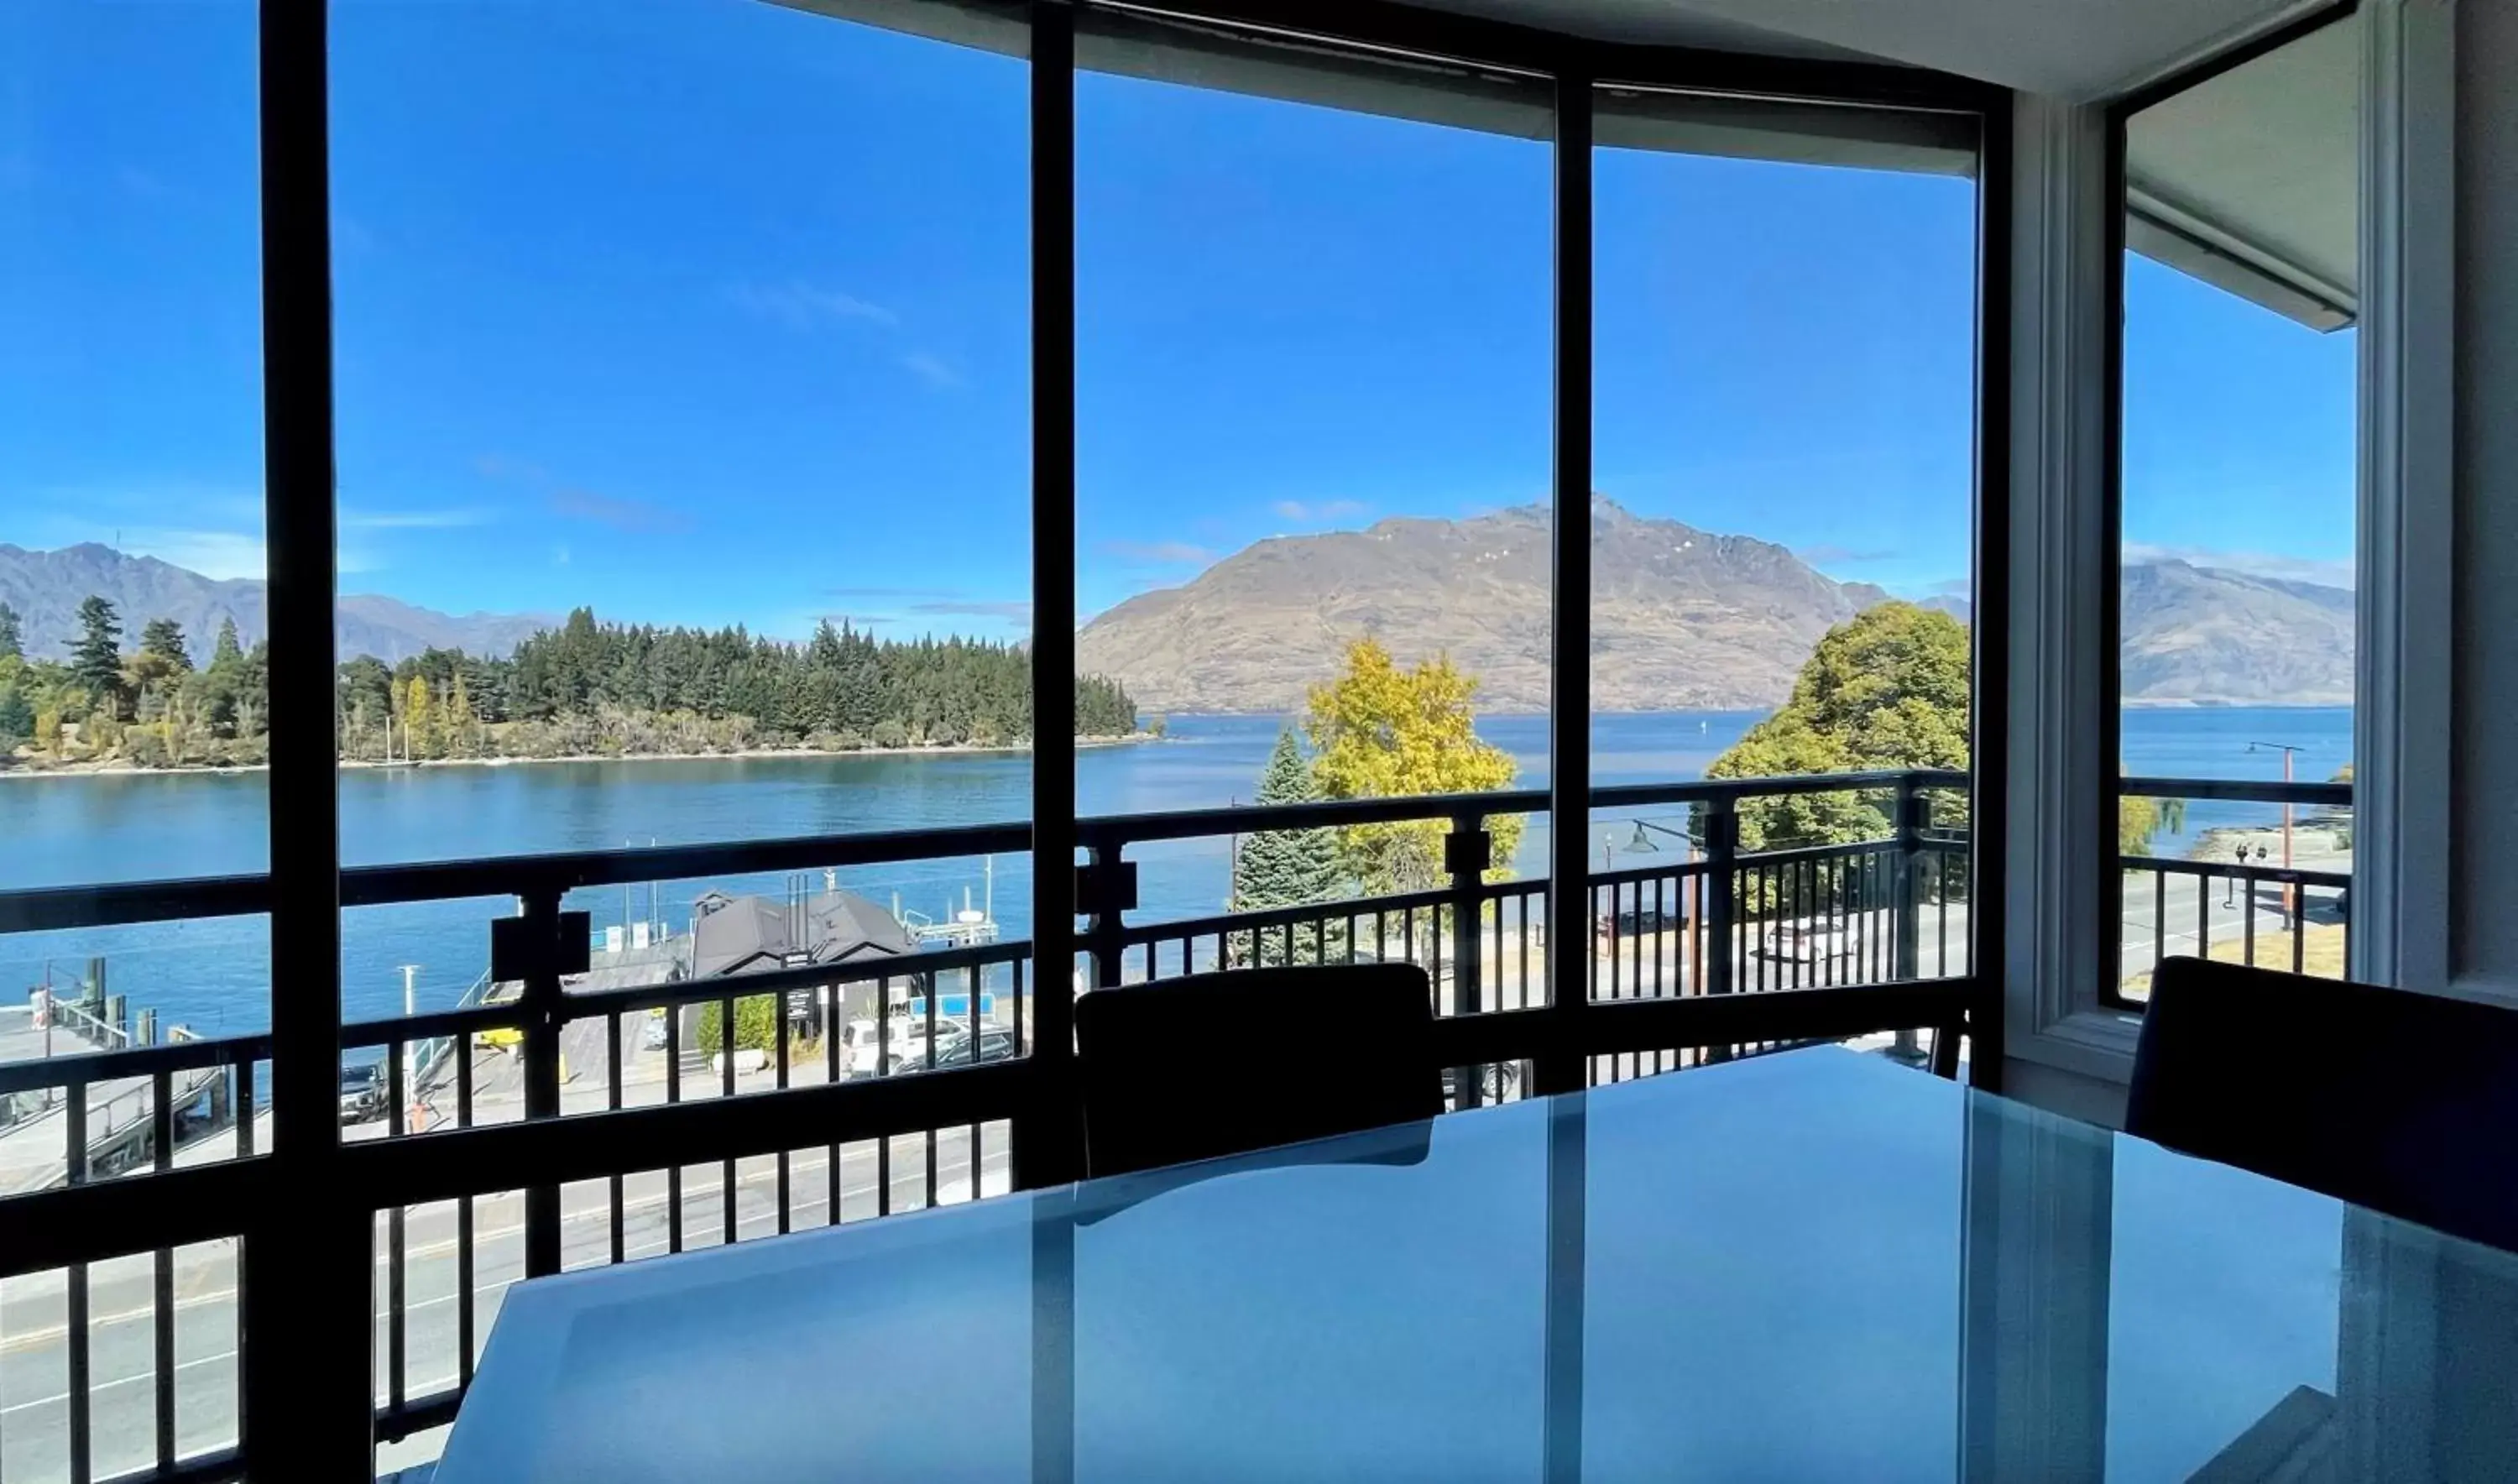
1211	1065
2404	1103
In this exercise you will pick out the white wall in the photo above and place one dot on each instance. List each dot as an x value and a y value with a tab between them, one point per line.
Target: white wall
2483	921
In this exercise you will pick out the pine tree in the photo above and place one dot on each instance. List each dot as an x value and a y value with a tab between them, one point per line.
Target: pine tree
226	651
1287	868
164	639
96	655
17	718
13	637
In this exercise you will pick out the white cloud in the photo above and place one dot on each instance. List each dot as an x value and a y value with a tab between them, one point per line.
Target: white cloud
219	556
2328	572
931	369
411	520
802	306
1180	552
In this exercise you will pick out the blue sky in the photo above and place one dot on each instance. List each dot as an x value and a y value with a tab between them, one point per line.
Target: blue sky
710	311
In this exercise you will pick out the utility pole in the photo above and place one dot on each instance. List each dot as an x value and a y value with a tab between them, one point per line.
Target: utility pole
2289	753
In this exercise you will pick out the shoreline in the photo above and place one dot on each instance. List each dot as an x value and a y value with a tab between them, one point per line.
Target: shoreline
742	755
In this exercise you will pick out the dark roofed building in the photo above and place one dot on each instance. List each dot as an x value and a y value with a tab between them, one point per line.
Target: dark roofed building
733	934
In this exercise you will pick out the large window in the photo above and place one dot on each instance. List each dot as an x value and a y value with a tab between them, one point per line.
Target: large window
1784	409
1313	483
132	705
2238	503
684	426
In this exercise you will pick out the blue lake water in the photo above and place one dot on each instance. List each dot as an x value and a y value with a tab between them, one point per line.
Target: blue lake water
214	975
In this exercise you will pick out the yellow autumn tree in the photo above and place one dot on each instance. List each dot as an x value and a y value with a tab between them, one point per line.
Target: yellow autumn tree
1378	731
463	733
420	734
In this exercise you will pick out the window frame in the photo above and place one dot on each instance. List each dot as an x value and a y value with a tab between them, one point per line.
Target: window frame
2069	1046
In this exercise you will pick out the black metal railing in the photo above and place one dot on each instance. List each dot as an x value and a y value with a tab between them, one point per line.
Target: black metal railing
2292	917
556	1122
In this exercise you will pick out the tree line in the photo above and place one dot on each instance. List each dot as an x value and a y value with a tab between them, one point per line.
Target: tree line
585	688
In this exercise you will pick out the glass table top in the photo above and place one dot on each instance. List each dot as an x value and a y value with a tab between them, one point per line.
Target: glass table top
1816	1265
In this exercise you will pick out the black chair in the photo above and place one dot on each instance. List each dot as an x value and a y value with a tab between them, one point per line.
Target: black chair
1211	1065
2404	1103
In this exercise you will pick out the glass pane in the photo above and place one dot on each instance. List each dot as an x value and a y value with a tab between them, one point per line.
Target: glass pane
2240	471
131	542
1784	415
132	698
685	453
1313	473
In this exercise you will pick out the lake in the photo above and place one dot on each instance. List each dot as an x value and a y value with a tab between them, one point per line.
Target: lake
214	974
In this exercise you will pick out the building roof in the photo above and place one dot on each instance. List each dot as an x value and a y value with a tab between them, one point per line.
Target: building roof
732	934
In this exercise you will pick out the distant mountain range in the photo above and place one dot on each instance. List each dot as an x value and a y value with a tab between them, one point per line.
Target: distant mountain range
1681	619
46	588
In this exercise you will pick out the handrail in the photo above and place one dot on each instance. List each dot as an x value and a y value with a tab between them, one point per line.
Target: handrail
2237	789
118	903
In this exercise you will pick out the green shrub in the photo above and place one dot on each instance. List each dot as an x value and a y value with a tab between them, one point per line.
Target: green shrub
755	1025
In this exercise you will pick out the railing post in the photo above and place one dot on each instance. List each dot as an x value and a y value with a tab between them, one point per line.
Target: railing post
1106	889
1913	819
1467	850
1721	822
1721	892
535	948
1914	823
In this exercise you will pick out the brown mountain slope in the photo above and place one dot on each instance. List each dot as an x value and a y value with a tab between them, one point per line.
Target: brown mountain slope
1681	619
2207	633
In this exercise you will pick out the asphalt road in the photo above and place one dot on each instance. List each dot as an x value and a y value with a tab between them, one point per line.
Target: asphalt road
34	1359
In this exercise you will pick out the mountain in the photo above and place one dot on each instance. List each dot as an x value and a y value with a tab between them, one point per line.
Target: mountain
2211	634
1681	620
46	588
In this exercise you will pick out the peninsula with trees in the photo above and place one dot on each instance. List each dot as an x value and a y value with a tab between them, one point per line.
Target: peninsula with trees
583	689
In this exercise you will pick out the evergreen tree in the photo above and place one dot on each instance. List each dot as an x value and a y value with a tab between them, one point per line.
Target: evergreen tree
1287	868
17	718
13	637
96	655
226	651
164	639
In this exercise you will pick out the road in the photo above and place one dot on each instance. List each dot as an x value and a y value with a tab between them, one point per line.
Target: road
2193	904
34	1401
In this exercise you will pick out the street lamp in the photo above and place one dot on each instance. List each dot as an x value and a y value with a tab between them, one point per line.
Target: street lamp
1643	842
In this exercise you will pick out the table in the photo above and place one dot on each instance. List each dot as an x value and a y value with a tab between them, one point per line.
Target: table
1816	1265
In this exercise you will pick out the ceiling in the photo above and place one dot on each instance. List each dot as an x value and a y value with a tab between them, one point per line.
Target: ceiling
2069	47
2251	179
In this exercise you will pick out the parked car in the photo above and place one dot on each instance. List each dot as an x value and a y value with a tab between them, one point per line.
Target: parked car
861	1040
363	1092
953	1049
1807	942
